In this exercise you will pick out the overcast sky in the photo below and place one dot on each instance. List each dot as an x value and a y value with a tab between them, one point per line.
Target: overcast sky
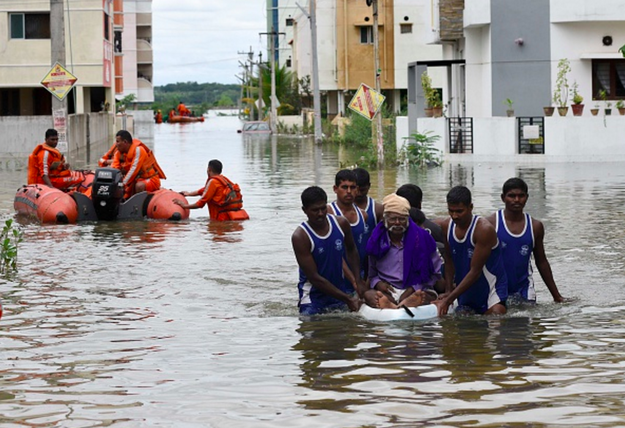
198	40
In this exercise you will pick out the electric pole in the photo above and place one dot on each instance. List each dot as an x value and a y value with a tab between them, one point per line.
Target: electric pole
260	86
274	99
377	128
250	58
312	17
57	36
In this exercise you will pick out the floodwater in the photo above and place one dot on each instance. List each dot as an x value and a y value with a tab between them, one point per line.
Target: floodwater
193	324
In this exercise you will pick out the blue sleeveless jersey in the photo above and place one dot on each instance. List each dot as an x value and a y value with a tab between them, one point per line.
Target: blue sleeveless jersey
360	233
328	252
516	251
491	287
372	220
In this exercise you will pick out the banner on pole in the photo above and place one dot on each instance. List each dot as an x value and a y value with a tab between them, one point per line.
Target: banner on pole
59	81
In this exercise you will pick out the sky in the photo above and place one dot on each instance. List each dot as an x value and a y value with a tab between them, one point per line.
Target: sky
199	40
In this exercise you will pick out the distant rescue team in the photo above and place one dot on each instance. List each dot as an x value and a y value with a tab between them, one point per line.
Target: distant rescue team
356	251
141	173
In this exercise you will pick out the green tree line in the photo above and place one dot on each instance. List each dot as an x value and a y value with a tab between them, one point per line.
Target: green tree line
201	96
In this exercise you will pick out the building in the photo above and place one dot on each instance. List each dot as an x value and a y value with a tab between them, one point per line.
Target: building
345	47
133	44
281	19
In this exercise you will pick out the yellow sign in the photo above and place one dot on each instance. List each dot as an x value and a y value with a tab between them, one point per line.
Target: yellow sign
367	101
59	81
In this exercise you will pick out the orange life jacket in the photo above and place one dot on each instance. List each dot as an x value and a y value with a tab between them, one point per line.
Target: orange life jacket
229	198
150	168
34	175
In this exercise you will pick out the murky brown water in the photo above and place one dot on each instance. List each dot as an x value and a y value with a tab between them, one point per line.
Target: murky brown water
193	324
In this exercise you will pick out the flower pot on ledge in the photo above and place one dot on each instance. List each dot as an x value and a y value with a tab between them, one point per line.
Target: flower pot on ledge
621	111
510	113
428	112
562	111
548	111
594	111
437	111
578	109
608	111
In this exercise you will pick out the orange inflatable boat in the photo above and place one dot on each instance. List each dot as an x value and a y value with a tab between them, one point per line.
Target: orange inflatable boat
47	204
185	119
100	200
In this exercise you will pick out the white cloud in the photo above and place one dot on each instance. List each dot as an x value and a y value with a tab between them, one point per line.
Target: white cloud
199	40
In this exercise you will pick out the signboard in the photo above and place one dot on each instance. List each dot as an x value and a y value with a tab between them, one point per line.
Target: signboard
366	102
60	124
59	81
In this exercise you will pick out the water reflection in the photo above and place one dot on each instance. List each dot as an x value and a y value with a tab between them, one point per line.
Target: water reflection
226	231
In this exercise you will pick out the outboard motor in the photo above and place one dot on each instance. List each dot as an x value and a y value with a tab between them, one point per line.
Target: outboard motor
107	192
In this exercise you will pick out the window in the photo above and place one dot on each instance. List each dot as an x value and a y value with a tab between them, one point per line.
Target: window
405	28
608	75
288	62
30	25
289	22
366	35
107	34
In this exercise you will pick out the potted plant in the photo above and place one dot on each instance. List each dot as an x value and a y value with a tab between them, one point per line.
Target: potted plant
436	103
620	105
603	94
595	111
561	92
577	106
426	84
509	103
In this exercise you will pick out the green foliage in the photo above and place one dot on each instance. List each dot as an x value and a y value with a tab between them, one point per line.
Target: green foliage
577	98
620	104
420	151
225	101
358	132
123	104
199	97
287	89
358	137
508	102
561	92
9	240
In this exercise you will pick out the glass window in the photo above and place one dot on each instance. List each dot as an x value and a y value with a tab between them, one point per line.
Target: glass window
405	28
289	22
30	25
366	35
17	25
608	75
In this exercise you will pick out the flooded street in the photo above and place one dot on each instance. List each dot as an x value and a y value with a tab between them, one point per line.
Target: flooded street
195	324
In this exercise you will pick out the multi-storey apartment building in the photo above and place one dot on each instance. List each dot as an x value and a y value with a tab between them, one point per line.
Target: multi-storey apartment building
94	44
345	47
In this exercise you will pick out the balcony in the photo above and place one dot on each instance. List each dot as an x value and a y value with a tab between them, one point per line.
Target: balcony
144	19
145	91
587	11
144	52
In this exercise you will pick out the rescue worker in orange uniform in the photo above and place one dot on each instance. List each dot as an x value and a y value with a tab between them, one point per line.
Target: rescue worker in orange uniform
107	158
158	117
222	196
138	165
47	165
183	110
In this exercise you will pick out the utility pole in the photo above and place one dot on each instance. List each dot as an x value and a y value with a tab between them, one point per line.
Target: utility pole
377	128
260	86
274	99
312	17
57	36
250	58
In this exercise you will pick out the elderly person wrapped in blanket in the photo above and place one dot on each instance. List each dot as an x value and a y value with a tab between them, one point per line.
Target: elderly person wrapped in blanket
404	264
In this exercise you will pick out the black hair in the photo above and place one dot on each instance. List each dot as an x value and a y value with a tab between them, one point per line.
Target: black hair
514	183
312	195
216	166
459	195
51	133
344	175
124	135
413	193
362	177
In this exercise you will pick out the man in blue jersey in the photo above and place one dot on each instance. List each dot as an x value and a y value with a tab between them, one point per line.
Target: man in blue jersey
346	190
320	245
474	262
365	202
521	236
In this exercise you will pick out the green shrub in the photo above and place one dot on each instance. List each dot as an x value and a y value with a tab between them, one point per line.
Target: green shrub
9	240
420	151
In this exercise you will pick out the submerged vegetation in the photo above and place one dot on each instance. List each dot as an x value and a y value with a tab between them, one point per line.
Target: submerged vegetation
10	238
420	151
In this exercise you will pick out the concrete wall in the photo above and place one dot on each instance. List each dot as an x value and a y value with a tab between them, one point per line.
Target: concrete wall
587	10
89	138
520	72
567	139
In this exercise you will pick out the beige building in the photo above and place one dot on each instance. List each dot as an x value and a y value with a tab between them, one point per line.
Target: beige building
345	47
93	48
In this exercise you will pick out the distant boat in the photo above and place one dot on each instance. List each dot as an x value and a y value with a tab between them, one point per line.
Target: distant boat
185	119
